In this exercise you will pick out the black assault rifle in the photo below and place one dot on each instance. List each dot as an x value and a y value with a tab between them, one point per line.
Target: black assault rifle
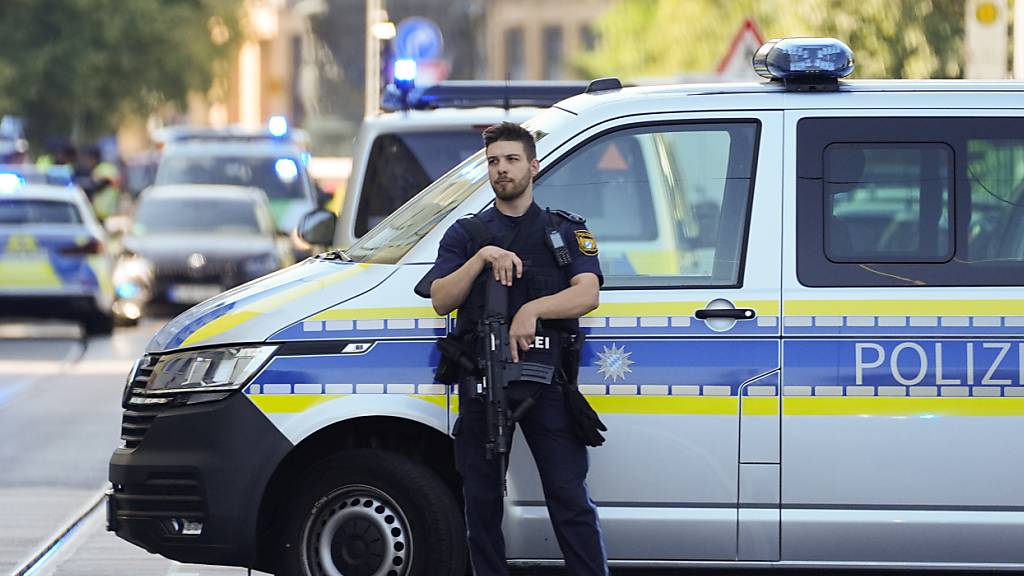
498	371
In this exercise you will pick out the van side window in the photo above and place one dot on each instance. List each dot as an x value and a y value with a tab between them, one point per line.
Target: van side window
910	201
995	173
668	204
888	202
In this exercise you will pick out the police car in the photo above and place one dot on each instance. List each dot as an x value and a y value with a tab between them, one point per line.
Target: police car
421	136
273	160
809	349
54	261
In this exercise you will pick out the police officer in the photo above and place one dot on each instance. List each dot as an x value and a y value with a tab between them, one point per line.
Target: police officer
101	182
548	259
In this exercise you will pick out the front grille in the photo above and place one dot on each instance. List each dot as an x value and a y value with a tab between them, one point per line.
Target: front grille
163	494
140	406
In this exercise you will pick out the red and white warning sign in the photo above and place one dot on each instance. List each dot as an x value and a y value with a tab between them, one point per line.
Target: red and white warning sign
735	65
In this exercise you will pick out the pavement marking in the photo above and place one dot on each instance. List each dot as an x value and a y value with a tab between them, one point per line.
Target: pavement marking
37	561
38	368
10	392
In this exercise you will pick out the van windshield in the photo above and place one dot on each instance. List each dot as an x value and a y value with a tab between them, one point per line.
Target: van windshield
402	164
396	235
392	238
280	177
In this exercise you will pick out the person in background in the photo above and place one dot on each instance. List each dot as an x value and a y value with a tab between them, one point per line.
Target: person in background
101	182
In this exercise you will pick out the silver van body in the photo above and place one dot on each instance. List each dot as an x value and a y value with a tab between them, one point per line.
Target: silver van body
867	412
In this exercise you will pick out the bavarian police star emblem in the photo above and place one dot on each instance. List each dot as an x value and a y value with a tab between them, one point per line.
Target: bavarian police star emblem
614	363
586	242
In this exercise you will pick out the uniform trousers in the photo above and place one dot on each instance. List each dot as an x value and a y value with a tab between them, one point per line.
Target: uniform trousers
562	462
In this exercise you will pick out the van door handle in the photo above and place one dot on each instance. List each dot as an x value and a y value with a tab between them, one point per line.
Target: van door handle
733	313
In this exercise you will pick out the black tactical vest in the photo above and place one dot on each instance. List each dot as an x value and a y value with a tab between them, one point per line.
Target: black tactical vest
541	277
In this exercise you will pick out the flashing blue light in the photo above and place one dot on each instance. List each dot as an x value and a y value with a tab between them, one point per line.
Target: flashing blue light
804	59
286	170
405	73
10	182
277	126
127	290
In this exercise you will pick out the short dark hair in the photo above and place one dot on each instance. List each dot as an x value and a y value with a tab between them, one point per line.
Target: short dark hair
511	132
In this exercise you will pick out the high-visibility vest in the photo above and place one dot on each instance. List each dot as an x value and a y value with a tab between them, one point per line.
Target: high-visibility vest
105	201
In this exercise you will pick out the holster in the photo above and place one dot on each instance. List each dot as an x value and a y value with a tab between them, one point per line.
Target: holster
457	359
586	424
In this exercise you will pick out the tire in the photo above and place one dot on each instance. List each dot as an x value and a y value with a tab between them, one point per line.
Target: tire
98	324
373	513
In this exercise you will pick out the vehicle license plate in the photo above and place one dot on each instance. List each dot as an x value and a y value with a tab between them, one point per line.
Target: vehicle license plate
192	293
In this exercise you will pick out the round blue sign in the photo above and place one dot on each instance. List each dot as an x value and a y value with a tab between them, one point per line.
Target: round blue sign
418	38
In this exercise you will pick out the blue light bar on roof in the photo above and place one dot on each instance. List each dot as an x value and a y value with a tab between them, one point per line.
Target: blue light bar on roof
804	62
475	93
405	70
10	182
60	175
277	126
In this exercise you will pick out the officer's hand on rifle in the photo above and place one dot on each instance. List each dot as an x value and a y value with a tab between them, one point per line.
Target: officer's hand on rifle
505	265
523	330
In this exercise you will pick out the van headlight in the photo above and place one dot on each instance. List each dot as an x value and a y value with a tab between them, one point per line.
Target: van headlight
215	369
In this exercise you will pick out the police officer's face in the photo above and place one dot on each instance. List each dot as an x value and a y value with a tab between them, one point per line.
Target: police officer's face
510	172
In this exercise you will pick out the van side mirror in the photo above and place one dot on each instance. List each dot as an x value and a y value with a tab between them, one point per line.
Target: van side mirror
317	228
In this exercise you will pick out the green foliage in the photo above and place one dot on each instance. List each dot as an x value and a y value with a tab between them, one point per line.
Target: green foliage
79	67
890	38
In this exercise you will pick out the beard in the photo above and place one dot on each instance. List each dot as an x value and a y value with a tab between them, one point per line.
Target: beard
510	190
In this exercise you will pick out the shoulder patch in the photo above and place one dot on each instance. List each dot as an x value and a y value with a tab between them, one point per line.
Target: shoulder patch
570	216
585	240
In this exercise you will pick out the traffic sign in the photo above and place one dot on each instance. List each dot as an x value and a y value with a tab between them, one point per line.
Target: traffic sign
735	65
418	38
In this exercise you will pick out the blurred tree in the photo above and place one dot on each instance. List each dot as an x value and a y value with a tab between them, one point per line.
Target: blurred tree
890	38
79	67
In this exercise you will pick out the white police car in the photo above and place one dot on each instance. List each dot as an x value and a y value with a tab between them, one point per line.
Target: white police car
809	349
54	261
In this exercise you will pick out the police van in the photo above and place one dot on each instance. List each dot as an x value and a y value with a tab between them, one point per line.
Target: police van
422	135
809	349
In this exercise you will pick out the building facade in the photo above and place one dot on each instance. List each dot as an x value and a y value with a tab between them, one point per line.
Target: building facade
538	39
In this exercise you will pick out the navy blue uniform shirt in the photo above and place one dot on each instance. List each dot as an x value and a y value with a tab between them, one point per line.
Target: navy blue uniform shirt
456	246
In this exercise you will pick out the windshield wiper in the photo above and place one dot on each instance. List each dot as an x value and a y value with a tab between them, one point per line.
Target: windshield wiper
334	255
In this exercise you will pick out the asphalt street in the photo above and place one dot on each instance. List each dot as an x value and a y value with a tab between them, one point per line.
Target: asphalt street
60	420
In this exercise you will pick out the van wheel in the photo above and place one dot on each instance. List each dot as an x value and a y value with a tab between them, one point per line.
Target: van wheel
373	513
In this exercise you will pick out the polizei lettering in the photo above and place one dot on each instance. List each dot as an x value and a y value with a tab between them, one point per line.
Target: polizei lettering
944	363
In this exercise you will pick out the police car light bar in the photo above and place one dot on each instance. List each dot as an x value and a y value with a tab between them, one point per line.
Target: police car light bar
804	64
31	174
277	126
10	182
471	94
277	130
405	71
